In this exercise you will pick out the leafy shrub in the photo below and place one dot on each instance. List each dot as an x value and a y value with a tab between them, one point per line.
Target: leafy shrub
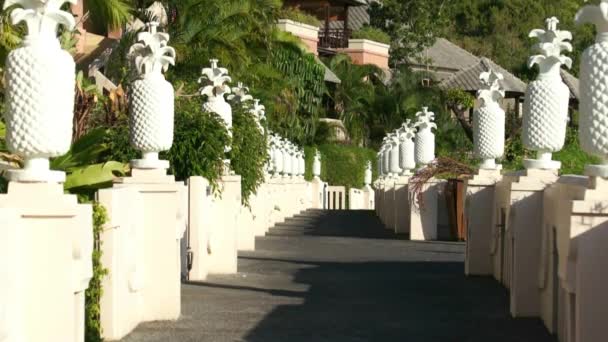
119	147
372	33
299	16
345	165
249	153
198	143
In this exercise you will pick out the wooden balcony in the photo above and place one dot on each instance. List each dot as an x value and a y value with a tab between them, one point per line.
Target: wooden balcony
334	38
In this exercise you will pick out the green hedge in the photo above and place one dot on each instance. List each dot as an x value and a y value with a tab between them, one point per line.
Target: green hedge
341	164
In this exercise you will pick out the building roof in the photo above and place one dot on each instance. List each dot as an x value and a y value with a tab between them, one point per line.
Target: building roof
468	79
572	83
445	56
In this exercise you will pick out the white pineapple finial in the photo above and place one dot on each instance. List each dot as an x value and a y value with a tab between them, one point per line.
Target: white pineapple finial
489	121
42	17
407	130
216	79
151	53
552	42
240	94
425	119
596	15
153	26
259	113
491	92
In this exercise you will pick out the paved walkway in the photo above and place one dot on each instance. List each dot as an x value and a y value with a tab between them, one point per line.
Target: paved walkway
340	277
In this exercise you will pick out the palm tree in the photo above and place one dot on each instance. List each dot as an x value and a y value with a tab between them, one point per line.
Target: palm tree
354	97
112	14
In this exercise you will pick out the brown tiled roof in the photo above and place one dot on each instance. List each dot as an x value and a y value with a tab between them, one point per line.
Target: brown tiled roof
444	54
468	79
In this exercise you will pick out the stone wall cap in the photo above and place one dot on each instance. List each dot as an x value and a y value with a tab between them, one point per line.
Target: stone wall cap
575	180
370	42
297	23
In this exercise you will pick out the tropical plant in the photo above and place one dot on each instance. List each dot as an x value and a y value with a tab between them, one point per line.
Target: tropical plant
354	97
151	53
372	33
198	144
110	14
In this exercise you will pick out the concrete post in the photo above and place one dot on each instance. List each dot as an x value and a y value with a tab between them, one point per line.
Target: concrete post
479	209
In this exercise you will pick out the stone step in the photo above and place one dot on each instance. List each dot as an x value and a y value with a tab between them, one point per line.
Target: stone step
294	220
288	228
292	225
310	215
287	232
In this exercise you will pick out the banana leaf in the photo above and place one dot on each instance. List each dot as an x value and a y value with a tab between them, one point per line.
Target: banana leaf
94	176
84	151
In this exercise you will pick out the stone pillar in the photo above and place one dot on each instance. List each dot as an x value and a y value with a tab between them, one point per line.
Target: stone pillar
516	239
223	244
201	220
401	209
46	239
43	287
423	215
122	302
389	202
163	230
479	209
246	229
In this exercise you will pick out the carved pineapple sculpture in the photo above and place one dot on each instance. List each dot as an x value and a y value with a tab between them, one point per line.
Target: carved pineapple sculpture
316	165
489	121
407	148
545	115
386	165
302	163
394	154
216	87
277	155
367	179
379	164
151	101
593	124
286	158
259	113
40	83
425	139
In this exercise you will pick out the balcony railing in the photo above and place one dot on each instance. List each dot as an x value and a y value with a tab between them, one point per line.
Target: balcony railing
334	38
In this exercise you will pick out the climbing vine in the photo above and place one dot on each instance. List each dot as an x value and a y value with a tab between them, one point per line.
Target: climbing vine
307	78
248	152
95	291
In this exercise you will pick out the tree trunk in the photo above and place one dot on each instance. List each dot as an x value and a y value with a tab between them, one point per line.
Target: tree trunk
464	123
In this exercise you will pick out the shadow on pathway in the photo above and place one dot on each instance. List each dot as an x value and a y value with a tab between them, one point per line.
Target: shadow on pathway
342	277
